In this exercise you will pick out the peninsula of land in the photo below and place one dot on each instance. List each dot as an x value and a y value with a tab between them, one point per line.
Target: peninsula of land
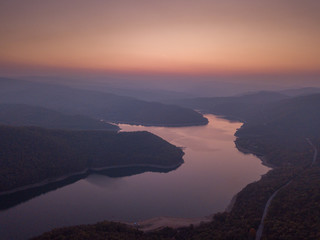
32	156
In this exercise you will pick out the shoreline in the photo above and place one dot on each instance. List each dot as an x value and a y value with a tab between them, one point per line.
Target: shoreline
264	162
138	165
83	172
159	125
158	223
155	223
232	202
262	157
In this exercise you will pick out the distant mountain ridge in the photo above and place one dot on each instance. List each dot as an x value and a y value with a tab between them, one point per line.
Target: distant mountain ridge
98	105
25	115
236	107
298	115
265	110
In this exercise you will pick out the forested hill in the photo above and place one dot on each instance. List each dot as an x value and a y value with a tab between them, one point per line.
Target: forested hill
29	155
98	105
293	116
280	132
24	115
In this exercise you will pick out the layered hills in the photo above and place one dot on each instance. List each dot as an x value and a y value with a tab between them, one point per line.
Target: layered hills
24	115
95	104
236	107
284	132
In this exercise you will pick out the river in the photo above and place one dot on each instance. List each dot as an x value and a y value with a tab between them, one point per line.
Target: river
213	172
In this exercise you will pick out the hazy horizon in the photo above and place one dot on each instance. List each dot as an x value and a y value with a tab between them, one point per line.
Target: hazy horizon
226	41
179	105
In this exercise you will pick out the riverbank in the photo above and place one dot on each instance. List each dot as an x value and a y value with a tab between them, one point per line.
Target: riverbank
153	197
193	124
85	172
263	158
231	204
159	223
264	161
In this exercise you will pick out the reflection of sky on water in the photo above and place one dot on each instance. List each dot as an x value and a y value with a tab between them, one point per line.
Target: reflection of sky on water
104	182
201	138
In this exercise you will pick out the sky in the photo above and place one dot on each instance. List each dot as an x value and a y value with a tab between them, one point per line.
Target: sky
157	37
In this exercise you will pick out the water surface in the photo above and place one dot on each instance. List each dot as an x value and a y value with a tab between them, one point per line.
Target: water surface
213	172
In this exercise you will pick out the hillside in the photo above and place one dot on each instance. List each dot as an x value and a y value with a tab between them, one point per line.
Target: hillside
99	105
30	155
24	115
294	116
237	107
275	131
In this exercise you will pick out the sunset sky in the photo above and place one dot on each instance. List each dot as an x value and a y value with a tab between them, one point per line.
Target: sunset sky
167	36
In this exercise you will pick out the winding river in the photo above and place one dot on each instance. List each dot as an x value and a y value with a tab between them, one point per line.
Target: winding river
213	172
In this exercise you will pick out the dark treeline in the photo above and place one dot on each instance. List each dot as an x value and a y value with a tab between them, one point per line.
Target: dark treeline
29	155
275	129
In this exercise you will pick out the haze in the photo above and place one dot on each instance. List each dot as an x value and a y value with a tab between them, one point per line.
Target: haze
207	38
172	106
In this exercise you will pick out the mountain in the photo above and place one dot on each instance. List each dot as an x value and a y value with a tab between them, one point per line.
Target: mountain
100	105
24	115
301	91
265	111
237	107
298	115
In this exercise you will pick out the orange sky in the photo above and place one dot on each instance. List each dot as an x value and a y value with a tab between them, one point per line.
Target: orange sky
187	36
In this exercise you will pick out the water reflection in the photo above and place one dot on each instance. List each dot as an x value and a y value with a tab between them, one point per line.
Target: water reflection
104	182
11	200
99	178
